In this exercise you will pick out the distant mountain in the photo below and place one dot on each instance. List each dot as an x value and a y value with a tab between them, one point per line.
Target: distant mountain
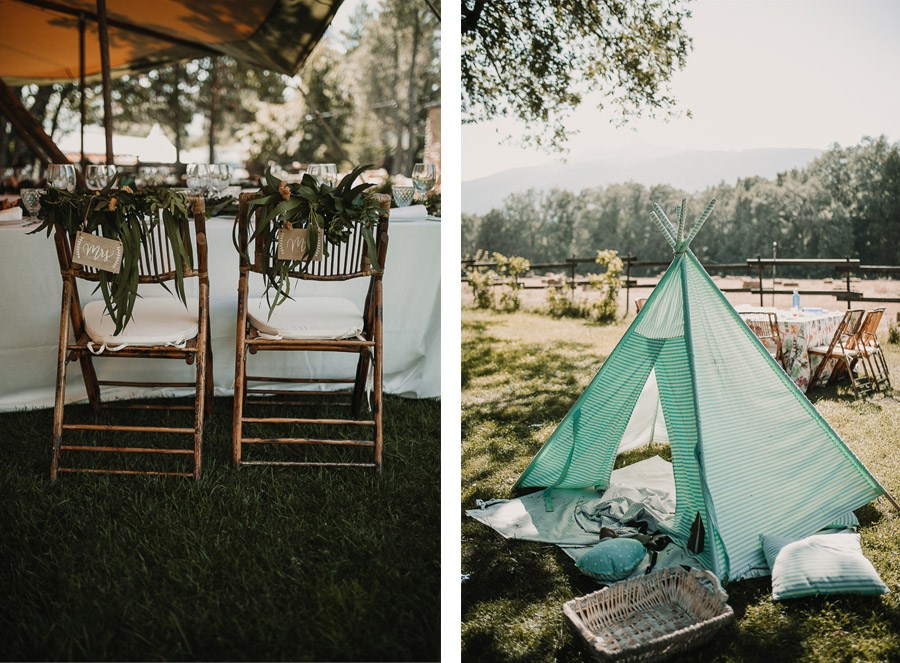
691	171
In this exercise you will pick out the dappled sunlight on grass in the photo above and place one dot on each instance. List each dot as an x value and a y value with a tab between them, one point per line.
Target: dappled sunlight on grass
521	373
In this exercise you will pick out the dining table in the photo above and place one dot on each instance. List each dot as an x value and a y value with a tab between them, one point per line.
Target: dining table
31	292
800	330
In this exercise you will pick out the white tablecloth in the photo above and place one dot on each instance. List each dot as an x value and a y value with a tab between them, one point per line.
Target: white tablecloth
31	291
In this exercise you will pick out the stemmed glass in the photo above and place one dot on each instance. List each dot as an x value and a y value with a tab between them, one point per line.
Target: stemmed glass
219	177
330	173
98	176
423	177
316	171
197	178
324	173
31	199
61	176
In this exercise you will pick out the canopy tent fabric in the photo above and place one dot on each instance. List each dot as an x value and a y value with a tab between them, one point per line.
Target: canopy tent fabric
40	37
751	455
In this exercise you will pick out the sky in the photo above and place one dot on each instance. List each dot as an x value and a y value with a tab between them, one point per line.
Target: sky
762	73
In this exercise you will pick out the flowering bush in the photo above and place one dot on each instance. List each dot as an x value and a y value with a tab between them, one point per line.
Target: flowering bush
562	302
605	308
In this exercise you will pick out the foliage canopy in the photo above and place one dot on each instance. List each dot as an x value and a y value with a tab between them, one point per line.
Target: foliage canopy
536	60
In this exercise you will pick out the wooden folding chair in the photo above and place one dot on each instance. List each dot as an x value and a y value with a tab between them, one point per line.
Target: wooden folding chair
174	332
312	324
764	325
639	304
870	355
842	349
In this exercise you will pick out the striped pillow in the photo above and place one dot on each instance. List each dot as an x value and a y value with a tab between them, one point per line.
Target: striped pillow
847	521
820	564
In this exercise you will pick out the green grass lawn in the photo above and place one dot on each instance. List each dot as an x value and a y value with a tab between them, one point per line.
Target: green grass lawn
520	375
261	564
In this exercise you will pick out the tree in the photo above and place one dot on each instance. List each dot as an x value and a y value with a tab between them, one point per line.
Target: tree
221	88
393	64
535	60
312	125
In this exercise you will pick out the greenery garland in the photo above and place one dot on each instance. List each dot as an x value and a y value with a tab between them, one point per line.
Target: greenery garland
130	217
334	210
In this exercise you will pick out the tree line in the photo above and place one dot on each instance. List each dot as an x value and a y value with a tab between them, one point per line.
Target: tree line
845	203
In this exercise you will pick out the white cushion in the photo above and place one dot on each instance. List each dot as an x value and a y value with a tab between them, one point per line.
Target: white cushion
822	564
307	318
836	351
155	321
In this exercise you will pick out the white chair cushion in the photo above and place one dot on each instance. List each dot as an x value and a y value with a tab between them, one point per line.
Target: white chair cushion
307	318
155	321
836	351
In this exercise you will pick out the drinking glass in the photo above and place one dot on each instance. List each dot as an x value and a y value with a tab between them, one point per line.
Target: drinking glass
316	171
98	176
330	172
423	176
31	199
403	194
61	176
219	177
197	178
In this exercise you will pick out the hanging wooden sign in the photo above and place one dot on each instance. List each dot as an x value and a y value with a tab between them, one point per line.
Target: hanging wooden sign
292	243
98	252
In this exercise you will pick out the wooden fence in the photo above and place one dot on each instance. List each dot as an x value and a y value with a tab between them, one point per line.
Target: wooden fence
756	268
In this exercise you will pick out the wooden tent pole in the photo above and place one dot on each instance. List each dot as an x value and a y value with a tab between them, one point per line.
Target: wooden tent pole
892	500
104	64
81	26
28	128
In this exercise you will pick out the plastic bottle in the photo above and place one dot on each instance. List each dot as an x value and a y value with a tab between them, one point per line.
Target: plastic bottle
796	302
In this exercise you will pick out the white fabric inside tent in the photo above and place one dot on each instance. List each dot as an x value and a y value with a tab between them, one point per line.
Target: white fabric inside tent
647	423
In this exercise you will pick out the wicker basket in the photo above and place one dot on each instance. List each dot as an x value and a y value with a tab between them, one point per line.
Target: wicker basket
651	617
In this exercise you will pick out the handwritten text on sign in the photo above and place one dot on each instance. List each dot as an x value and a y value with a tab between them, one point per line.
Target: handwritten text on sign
292	244
98	252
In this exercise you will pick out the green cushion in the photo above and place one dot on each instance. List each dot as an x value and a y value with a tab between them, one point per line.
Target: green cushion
612	560
820	564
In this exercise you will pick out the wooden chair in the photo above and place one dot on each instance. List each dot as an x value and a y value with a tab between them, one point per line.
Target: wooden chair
764	324
177	333
340	327
870	354
841	348
639	304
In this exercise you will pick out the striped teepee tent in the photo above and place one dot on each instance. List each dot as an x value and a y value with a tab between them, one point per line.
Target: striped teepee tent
750	454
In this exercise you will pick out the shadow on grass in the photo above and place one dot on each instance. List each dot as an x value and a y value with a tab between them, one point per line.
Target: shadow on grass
514	394
258	564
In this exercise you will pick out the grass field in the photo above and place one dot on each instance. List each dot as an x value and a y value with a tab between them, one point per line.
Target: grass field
520	375
260	564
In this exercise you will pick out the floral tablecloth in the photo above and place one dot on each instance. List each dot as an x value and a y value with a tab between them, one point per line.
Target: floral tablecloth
799	331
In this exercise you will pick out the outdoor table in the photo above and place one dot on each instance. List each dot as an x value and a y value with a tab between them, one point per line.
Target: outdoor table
32	291
800	331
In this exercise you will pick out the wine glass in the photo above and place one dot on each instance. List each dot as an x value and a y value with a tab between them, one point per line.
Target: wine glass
330	173
197	178
316	171
61	176
98	176
219	177
31	199
423	177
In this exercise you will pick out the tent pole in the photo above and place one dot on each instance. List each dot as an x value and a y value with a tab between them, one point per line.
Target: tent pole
104	64
81	26
892	500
